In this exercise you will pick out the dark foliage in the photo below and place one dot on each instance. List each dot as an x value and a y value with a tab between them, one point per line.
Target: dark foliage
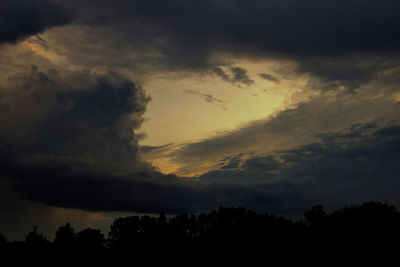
3	242
365	233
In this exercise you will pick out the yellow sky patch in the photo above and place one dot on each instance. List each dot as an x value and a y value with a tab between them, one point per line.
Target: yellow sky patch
176	116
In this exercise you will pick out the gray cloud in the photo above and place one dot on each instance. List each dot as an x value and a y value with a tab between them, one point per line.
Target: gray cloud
311	24
238	75
360	164
73	114
221	73
184	37
269	77
71	185
209	98
152	149
61	185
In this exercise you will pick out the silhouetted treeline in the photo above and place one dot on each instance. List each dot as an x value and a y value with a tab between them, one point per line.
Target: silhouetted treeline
366	233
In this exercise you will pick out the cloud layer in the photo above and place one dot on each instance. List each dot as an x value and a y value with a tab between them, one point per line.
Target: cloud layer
329	39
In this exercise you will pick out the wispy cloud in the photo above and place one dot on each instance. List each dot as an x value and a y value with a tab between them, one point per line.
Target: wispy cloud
239	75
269	77
209	98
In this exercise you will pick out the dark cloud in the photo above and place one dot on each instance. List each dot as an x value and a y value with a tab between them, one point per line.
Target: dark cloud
263	164
232	162
349	41
238	75
78	149
157	149
153	193
22	18
73	184
349	71
141	136
269	77
73	114
78	129
359	164
242	169
272	25
221	73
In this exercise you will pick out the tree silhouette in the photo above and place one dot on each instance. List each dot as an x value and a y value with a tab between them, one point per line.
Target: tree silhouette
65	240
35	238
353	234
90	243
90	239
36	244
3	244
316	217
125	234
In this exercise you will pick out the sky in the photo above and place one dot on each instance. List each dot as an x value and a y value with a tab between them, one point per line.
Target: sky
114	108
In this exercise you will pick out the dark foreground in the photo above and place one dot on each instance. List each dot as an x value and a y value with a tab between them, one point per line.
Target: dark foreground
357	234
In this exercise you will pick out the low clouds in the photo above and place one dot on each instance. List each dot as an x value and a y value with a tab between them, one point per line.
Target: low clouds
21	18
358	164
153	193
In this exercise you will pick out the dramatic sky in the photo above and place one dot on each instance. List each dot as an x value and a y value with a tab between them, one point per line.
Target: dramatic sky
109	108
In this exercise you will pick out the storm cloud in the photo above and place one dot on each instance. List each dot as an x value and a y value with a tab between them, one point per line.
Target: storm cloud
328	39
80	115
22	18
79	150
364	26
